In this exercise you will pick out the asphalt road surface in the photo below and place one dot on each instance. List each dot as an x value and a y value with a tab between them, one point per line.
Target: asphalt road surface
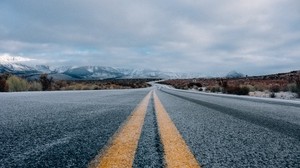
86	128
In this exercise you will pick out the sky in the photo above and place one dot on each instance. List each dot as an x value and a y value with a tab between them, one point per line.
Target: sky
209	37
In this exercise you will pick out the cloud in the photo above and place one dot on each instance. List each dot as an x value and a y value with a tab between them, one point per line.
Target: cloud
211	37
7	58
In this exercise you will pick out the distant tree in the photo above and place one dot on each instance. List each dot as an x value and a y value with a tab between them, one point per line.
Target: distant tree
46	82
16	84
3	85
35	86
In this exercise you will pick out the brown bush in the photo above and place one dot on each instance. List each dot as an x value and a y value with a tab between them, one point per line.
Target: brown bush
16	84
275	88
238	90
35	86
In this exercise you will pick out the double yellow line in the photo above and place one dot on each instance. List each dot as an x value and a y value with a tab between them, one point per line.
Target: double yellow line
121	149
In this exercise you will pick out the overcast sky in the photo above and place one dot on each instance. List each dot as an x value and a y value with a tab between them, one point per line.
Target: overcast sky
211	37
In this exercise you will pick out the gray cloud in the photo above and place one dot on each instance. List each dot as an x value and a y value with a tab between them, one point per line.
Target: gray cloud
211	37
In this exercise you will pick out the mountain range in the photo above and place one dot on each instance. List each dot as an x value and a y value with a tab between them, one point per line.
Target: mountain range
87	72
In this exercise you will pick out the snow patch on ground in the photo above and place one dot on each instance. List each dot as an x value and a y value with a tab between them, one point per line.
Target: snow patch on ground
279	95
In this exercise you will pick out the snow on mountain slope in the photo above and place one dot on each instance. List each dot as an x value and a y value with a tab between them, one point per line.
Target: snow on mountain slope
146	73
61	69
43	68
93	72
11	64
89	72
139	73
16	68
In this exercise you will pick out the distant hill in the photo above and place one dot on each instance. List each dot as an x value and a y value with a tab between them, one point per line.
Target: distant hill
234	74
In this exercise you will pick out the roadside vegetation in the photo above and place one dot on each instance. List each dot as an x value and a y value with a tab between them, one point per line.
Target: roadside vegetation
16	84
262	86
12	83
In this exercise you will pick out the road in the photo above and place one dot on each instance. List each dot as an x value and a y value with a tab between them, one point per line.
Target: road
152	127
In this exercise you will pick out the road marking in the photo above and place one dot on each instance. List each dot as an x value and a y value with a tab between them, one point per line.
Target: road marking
122	148
177	153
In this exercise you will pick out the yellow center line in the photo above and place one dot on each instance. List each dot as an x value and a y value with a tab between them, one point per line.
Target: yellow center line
177	153
121	150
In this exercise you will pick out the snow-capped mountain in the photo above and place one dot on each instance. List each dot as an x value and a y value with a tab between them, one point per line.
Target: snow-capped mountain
16	68
11	64
87	72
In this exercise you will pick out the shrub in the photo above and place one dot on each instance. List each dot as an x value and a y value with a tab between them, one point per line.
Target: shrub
59	85
78	86
260	87
71	87
94	87
298	87
251	88
215	89
292	87
35	86
272	95
223	83
244	91
285	88
275	88
295	88
86	87
194	84
16	84
238	90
